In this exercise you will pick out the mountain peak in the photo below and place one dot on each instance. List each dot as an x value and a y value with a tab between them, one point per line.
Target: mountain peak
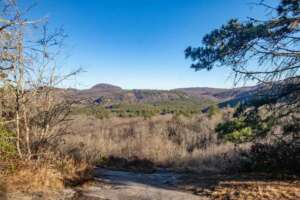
105	86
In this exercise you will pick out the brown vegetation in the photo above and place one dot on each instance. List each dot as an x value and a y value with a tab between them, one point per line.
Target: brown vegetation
170	141
31	115
48	174
43	148
243	186
251	190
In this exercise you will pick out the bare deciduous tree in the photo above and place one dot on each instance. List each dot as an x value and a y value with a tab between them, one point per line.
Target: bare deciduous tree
29	79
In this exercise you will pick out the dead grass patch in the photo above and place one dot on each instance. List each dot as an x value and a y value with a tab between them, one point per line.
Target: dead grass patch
46	175
32	178
257	190
252	186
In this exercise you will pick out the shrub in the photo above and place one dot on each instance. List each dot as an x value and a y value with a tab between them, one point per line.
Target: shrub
213	110
276	157
97	111
7	144
235	130
239	136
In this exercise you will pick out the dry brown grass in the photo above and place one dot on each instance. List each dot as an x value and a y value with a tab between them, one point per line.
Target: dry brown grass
45	175
38	179
257	190
246	186
179	142
31	177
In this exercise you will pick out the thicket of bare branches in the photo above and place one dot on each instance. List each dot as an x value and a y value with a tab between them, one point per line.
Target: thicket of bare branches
30	106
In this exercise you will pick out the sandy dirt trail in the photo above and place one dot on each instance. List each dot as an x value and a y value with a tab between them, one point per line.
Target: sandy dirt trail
167	185
121	185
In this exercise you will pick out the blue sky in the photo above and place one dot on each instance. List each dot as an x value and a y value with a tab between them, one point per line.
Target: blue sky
140	43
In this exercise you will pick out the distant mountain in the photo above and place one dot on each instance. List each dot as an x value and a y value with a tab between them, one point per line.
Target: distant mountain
104	87
110	94
217	94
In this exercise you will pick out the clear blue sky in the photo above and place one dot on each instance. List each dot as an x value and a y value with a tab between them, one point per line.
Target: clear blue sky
140	43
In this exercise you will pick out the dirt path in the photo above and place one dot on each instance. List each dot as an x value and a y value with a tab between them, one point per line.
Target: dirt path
121	185
168	185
